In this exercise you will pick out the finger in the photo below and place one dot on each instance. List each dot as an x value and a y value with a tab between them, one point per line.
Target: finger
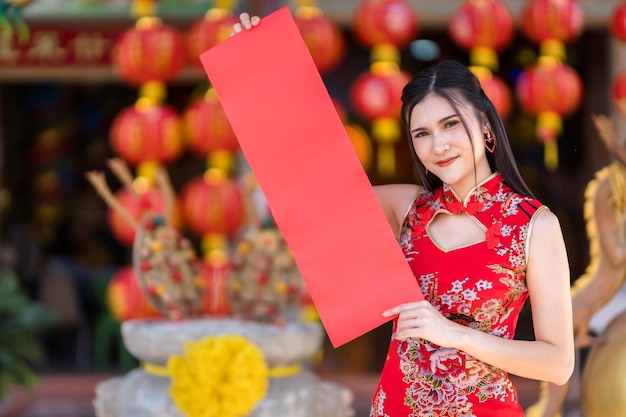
245	20
255	20
237	27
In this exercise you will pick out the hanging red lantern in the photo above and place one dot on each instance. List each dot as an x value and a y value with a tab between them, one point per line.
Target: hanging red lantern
378	95
150	51
385	21
497	91
618	22
619	92
206	127
207	32
147	133
212	205
544	20
150	200
550	90
125	298
322	36
553	88
482	28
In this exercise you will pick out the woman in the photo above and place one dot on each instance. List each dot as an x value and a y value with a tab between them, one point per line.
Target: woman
479	244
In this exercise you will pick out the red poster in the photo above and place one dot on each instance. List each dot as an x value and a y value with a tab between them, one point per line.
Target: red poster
319	194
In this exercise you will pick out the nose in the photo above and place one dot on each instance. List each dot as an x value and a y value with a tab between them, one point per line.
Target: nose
440	143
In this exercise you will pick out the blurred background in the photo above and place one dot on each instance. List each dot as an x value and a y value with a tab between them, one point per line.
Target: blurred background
76	77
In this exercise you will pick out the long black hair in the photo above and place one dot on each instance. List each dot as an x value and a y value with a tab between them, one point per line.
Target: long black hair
459	86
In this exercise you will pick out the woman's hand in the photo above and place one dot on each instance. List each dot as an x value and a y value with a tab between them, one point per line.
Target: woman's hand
421	320
246	22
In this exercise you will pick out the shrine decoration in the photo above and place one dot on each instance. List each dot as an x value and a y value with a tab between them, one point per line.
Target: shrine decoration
147	132
550	90
322	36
496	89
618	30
206	127
391	22
150	51
215	26
551	24
485	28
164	261
385	26
125	299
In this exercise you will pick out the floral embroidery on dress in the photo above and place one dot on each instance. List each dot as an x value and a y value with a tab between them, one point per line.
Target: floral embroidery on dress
481	286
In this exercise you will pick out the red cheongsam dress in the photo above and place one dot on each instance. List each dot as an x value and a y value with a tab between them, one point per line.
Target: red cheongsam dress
482	286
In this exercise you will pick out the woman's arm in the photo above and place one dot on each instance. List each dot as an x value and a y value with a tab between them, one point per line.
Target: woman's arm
550	356
395	200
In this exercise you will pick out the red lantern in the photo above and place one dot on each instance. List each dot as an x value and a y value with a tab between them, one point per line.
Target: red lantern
216	26
544	20
212	205
152	200
376	95
385	21
323	38
497	91
147	133
553	88
482	28
619	92
150	51
125	299
487	24
206	127
618	22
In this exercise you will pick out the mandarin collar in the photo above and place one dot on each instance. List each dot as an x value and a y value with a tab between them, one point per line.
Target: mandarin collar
476	198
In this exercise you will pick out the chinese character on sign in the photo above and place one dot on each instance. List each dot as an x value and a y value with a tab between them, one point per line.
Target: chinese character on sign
46	46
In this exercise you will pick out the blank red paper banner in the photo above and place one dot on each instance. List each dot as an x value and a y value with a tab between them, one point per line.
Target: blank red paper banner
317	190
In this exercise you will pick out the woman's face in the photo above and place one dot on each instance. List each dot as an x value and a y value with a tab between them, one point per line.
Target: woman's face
441	143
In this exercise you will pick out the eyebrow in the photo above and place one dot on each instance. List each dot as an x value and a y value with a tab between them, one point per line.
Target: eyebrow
445	119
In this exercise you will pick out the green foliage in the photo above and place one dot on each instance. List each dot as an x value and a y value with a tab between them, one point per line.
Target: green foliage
20	318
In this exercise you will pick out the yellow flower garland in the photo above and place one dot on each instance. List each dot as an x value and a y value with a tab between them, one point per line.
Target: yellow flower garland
218	376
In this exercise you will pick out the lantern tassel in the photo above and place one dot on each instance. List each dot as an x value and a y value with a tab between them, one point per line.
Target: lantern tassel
551	155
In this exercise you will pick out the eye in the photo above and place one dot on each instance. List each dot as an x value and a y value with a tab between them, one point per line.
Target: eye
420	134
451	123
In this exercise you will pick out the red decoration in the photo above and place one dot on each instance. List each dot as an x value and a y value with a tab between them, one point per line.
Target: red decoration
206	127
361	143
125	299
323	37
376	95
560	20
497	91
147	133
553	88
619	91
618	22
137	206
215	299
486	24
385	21
212	206
207	32
150	51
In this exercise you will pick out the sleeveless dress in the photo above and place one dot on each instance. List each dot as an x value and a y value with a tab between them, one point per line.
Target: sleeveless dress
481	285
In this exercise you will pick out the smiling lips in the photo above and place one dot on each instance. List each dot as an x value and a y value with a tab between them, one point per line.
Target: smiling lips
446	162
